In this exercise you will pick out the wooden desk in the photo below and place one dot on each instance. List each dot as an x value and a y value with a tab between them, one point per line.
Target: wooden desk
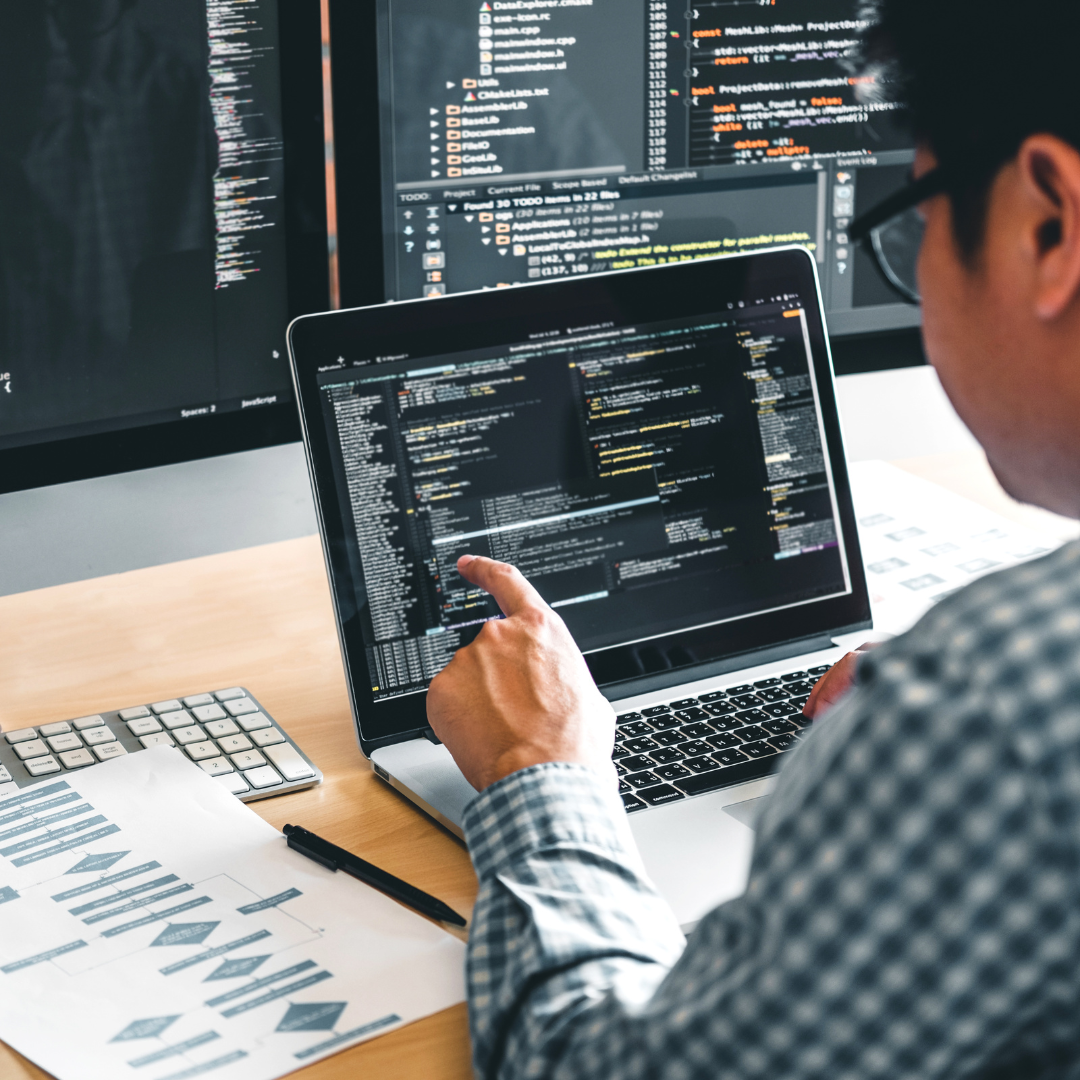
261	618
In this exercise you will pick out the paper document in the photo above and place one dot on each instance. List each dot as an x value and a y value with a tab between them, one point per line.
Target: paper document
920	542
153	927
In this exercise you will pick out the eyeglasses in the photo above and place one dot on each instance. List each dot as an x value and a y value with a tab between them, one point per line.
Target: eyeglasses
894	230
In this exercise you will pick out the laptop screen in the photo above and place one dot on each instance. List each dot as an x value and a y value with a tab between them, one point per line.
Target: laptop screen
649	478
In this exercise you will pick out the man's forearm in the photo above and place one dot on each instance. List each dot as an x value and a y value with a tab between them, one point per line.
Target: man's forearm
564	915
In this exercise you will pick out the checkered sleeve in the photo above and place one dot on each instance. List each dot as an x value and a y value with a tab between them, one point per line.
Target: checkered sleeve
913	907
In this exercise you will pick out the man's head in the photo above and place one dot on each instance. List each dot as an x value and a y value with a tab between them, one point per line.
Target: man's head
995	104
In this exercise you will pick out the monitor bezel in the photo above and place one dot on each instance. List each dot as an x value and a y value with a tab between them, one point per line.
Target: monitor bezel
80	457
647	294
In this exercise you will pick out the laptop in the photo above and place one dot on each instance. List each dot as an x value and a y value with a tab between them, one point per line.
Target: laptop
659	451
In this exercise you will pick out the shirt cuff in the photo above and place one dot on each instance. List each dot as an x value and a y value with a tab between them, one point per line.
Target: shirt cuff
555	805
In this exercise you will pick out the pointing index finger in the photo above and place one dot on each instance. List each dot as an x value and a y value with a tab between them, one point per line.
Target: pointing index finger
504	582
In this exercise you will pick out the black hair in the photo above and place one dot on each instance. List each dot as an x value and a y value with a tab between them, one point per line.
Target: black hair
975	79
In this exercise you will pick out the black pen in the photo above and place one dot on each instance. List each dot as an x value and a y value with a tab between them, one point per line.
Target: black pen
335	858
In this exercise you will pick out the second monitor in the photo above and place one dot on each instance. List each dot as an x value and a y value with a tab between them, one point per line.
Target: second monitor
493	143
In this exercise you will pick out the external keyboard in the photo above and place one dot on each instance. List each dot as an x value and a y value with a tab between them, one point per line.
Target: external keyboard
226	732
699	744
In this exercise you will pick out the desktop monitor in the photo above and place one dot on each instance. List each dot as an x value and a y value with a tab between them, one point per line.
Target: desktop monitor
162	215
494	142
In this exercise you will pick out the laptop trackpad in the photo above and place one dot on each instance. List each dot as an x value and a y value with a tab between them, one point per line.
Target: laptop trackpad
747	812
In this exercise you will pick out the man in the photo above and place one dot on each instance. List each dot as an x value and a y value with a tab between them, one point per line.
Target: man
913	908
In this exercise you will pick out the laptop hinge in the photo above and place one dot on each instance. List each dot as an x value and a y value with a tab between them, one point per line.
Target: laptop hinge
664	680
432	737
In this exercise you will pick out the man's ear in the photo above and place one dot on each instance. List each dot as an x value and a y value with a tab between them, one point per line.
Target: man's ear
1049	173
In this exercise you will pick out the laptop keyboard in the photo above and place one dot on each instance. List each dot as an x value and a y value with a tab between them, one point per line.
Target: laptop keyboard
694	745
226	732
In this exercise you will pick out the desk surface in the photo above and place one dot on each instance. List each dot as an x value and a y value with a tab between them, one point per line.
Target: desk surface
262	618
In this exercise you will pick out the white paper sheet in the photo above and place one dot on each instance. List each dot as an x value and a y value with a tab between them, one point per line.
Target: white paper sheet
232	956
920	542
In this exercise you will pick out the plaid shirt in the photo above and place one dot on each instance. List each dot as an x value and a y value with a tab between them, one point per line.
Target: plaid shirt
912	907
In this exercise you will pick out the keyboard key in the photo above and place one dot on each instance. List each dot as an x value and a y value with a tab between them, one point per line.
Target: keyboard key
779	727
781	708
247	759
751	733
630	803
234	783
234	744
634	728
185	736
798	689
698	731
642	779
696	748
55	729
800	701
800	721
742	688
217	766
669	738
627	718
818	671
5	776
655	710
637	763
713	695
241	706
693	714
727	741
747	701
253	721
174	720
42	766
620	751
229	694
262	778
701	765
143	727
206	713
136	713
22	735
727	723
619	768
752	716
76	759
758	749
683	703
160	738
10	788
657	796
166	706
720	708
199	699
218	729
34	748
291	764
85	722
793	676
624	787
670	772
199	751
108	751
638	746
665	722
774	695
665	755
70	741
764	684
783	742
730	757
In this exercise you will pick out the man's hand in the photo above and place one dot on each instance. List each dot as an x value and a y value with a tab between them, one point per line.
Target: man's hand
835	683
520	694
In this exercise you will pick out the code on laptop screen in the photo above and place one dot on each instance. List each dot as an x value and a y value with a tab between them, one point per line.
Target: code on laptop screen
648	479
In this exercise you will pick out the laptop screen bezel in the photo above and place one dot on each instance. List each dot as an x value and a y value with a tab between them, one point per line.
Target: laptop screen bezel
641	296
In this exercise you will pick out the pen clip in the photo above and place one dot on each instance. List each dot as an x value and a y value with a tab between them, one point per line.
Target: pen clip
297	845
